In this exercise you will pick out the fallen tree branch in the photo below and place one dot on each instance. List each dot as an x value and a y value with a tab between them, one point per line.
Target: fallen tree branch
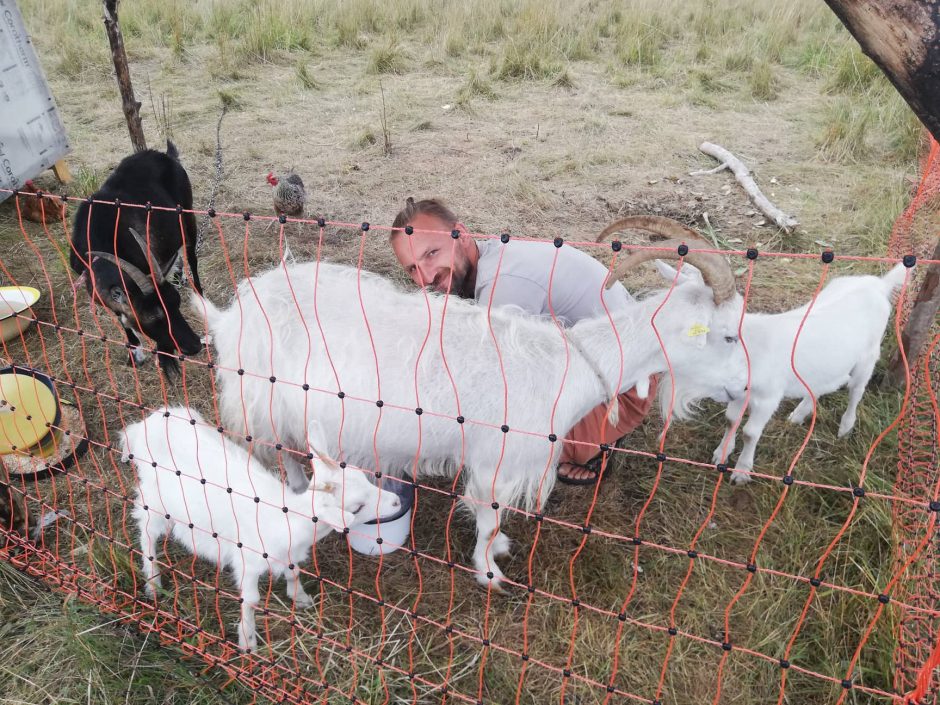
728	161
706	172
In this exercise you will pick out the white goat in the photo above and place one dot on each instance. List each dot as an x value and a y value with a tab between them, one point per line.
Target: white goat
839	345
183	473
281	319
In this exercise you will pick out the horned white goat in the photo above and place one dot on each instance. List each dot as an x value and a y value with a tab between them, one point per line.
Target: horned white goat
838	346
302	325
184	471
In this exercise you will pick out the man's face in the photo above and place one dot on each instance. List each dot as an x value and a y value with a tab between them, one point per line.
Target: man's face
431	259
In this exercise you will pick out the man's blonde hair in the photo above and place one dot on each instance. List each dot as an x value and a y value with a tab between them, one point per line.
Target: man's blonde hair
429	206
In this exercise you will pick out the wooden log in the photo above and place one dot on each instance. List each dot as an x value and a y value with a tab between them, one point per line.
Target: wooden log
129	103
743	175
919	323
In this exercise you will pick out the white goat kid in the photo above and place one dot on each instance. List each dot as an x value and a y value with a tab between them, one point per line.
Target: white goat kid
183	473
838	346
282	317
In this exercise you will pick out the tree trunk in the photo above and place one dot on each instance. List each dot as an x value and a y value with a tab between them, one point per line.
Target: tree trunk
119	57
920	322
903	38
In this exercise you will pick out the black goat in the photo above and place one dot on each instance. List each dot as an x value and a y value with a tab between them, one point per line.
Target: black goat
130	259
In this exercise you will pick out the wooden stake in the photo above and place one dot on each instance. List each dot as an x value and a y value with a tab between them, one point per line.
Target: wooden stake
129	104
919	323
61	171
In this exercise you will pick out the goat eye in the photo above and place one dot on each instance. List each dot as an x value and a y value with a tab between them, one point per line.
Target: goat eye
731	338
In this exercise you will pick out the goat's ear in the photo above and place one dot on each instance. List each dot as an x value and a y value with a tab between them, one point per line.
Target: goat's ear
666	271
691	272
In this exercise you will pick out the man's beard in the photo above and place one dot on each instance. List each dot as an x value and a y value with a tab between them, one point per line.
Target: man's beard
462	284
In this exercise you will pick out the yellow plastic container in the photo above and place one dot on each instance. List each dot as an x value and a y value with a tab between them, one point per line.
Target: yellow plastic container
15	300
27	403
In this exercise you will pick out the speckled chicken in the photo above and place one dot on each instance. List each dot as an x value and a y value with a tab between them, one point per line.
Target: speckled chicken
290	199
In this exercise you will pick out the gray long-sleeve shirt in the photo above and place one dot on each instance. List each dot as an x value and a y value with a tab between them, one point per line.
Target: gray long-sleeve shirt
523	281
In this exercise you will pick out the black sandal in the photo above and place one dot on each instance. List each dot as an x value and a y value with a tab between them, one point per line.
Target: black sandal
593	466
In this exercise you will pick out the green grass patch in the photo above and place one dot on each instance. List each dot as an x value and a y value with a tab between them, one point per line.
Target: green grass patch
388	57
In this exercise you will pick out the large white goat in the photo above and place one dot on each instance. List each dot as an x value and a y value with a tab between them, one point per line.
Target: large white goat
838	346
412	355
184	471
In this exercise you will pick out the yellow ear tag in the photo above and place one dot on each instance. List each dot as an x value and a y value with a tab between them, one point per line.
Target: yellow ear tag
697	329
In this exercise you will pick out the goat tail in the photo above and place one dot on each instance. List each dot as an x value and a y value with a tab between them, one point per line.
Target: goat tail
205	309
171	151
894	280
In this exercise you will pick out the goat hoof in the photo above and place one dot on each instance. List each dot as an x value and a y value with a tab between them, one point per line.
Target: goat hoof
739	477
303	601
496	582
720	456
845	430
170	369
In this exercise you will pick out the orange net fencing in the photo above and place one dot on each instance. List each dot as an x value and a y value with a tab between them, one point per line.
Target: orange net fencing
918	471
613	593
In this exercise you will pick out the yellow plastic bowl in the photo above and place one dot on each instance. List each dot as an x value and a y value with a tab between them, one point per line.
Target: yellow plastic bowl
14	300
27	402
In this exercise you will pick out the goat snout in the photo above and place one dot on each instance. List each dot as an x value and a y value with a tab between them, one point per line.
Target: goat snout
191	347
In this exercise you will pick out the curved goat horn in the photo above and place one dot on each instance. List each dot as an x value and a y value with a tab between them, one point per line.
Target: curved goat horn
148	253
138	277
666	228
716	272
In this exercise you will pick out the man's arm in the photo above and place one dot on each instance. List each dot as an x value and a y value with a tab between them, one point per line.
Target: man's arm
510	290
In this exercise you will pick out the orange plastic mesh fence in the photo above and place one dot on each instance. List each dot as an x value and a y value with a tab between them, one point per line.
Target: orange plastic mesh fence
591	582
918	470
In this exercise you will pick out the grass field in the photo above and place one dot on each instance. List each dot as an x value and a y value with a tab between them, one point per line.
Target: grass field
540	118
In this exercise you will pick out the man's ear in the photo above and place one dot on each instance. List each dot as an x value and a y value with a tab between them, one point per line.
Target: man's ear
465	237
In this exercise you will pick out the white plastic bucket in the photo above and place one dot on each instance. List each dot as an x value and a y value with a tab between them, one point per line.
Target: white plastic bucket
394	529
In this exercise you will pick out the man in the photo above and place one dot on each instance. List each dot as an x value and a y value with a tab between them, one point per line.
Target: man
523	282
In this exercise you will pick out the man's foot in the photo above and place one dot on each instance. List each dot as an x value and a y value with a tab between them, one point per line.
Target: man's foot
587	473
